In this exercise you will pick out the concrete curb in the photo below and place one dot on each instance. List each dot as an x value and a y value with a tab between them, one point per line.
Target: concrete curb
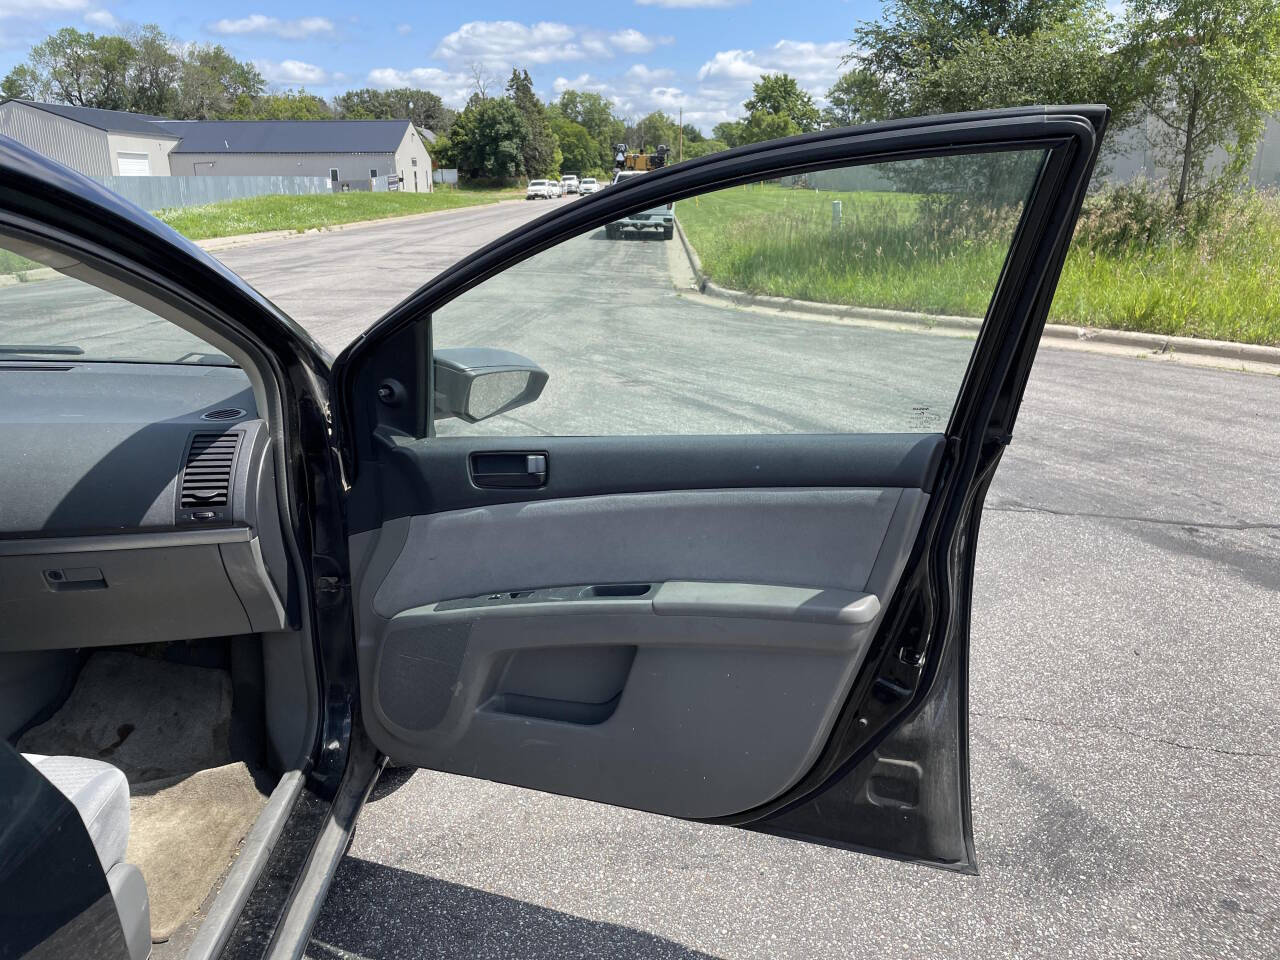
241	239
1143	342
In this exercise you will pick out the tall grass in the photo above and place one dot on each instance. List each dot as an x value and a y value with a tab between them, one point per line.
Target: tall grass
1214	275
782	242
1132	266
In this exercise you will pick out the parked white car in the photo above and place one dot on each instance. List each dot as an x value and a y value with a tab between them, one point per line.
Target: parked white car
556	189
538	190
570	183
588	185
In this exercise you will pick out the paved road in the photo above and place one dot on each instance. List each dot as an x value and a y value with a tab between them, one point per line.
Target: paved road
339	282
1125	690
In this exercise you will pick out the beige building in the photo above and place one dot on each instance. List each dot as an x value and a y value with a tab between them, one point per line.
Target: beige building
100	143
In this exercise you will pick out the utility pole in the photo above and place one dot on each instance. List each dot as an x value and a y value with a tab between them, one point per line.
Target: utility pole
680	151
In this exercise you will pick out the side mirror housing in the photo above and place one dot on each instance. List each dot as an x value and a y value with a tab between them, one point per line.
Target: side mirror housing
475	383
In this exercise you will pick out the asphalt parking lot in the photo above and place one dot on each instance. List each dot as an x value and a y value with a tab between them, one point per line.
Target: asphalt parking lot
1124	687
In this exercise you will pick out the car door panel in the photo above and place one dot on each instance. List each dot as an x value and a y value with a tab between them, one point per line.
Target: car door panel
762	631
632	638
566	643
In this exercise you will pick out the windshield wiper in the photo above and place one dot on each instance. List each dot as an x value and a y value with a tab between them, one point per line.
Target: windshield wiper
55	349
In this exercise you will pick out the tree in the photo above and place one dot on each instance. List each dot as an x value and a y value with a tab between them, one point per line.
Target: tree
857	97
580	153
286	105
1070	60
1210	75
730	132
594	113
778	94
703	148
423	107
64	68
651	131
539	146
691	135
142	71
156	72
481	79
21	83
913	36
761	126
488	137
213	84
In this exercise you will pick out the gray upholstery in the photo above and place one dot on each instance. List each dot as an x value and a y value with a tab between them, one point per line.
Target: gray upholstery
790	537
100	793
129	891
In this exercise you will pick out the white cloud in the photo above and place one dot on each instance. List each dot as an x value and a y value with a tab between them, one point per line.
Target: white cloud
814	65
716	91
39	9
261	23
403	29
293	73
503	42
583	83
644	75
500	44
453	88
686	4
102	19
632	41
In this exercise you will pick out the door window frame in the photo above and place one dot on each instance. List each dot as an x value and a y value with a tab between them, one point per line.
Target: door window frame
1062	138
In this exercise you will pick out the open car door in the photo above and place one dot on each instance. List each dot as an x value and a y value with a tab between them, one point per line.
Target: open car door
689	525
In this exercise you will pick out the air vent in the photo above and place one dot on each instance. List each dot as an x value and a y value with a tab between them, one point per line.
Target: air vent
226	413
206	478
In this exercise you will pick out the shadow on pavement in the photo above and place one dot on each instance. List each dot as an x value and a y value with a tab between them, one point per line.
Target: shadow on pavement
374	911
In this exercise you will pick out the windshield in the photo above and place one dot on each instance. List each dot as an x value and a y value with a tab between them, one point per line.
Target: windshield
47	315
537	183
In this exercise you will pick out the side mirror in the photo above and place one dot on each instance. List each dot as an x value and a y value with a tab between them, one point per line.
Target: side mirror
475	383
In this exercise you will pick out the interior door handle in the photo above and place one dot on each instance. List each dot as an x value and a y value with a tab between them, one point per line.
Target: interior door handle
516	468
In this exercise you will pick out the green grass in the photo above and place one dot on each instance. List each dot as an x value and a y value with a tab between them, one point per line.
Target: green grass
260	214
11	263
1223	283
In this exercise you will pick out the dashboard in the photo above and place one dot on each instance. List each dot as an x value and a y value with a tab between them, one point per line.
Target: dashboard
137	504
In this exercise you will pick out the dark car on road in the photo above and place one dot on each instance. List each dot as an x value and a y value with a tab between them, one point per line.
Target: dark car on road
240	577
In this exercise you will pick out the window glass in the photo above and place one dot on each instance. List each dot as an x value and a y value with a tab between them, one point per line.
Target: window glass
47	315
845	300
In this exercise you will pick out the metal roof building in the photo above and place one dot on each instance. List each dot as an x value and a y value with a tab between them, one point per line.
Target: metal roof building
100	143
110	142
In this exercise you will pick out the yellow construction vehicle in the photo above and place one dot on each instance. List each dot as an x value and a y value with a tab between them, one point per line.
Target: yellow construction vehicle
623	160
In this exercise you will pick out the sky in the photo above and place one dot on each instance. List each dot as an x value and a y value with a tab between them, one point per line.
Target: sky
697	55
